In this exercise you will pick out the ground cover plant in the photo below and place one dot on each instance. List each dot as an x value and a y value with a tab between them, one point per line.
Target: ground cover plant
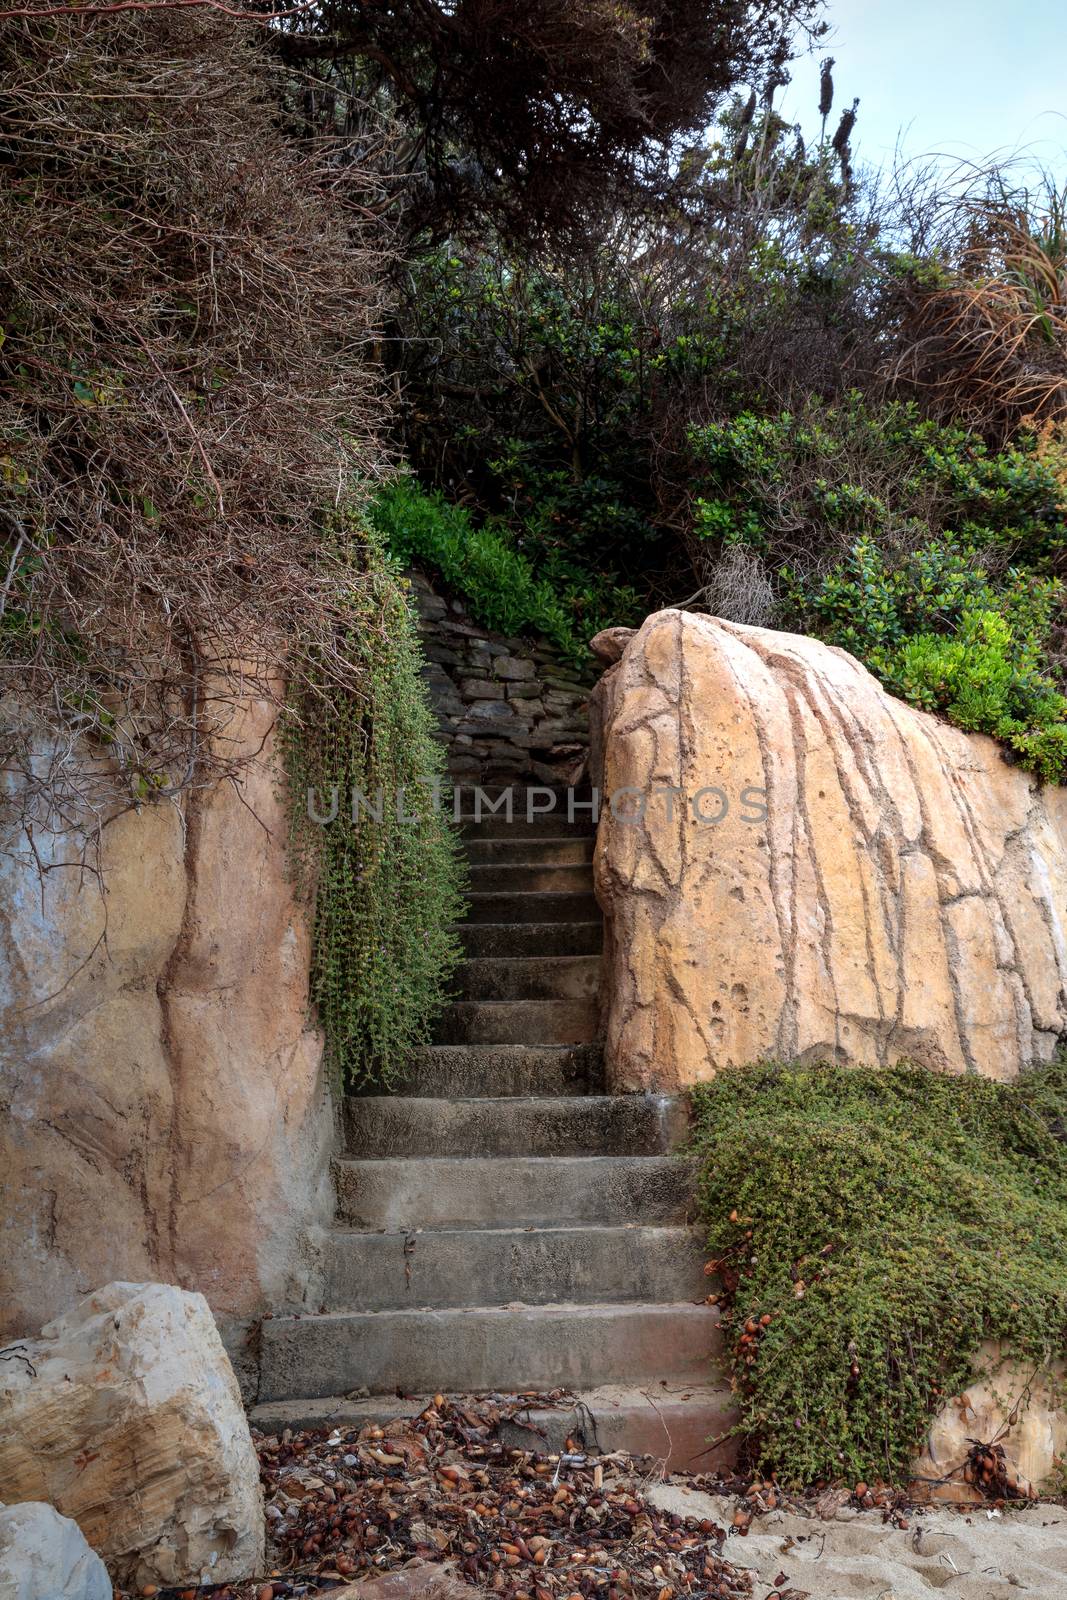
869	1229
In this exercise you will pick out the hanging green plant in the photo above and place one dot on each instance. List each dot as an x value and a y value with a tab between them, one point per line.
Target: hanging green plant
385	874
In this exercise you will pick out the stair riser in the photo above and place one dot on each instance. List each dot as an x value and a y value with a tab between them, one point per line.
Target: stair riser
512	939
688	1428
374	1272
443	1192
539	906
622	1125
455	1070
518	1022
513	1348
672	1422
533	852
530	978
525	878
554	826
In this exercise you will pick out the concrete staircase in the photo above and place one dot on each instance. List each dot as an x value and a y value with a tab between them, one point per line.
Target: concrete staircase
502	1224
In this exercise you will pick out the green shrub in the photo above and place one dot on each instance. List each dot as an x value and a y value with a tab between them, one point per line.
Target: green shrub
808	482
931	559
497	581
940	633
886	1222
385	893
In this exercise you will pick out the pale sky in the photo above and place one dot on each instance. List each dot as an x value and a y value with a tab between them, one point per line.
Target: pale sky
962	78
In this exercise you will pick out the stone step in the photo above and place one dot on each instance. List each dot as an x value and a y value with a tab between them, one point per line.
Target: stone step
530	978
494	1347
531	878
671	1420
517	1021
601	1125
540	906
495	1266
685	1426
532	938
478	1191
444	1070
554	826
536	851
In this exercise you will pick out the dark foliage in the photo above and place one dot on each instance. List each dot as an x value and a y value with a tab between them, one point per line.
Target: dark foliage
532	115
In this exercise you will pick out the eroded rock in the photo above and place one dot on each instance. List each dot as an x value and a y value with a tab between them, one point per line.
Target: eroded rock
1014	1406
835	875
164	1114
126	1416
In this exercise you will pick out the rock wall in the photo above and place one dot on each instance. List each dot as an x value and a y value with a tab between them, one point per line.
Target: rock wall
507	708
839	875
163	1113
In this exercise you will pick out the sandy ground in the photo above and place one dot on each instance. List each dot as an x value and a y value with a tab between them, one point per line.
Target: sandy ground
972	1555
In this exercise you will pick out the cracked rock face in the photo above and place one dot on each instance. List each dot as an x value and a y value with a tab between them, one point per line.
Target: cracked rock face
836	875
163	1110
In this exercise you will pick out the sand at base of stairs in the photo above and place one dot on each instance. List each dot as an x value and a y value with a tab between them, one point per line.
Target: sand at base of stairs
969	1555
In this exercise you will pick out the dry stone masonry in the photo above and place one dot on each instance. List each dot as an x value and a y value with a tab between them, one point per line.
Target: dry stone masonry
507	708
834	875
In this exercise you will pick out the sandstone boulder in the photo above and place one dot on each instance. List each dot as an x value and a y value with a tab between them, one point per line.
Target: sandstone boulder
798	865
609	643
126	1416
44	1556
1015	1406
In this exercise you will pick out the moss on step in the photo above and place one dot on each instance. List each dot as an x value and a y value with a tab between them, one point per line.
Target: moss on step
872	1228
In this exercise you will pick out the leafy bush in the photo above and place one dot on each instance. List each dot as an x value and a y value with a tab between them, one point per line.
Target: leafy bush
529	390
387	891
939	633
872	1228
930	558
498	582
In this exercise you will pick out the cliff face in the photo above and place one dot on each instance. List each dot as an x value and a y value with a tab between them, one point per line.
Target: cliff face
837	875
163	1113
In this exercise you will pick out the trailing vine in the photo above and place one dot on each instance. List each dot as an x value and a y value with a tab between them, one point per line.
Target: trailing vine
386	884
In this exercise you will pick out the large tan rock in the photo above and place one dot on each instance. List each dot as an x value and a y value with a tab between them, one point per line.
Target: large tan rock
163	1112
839	875
126	1416
1017	1407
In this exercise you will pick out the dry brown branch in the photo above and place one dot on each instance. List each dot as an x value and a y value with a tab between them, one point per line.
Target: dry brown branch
188	383
154	5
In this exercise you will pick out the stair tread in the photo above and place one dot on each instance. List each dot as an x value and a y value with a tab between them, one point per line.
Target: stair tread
550	1311
672	1419
561	1344
516	1103
496	1126
611	1231
535	1160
